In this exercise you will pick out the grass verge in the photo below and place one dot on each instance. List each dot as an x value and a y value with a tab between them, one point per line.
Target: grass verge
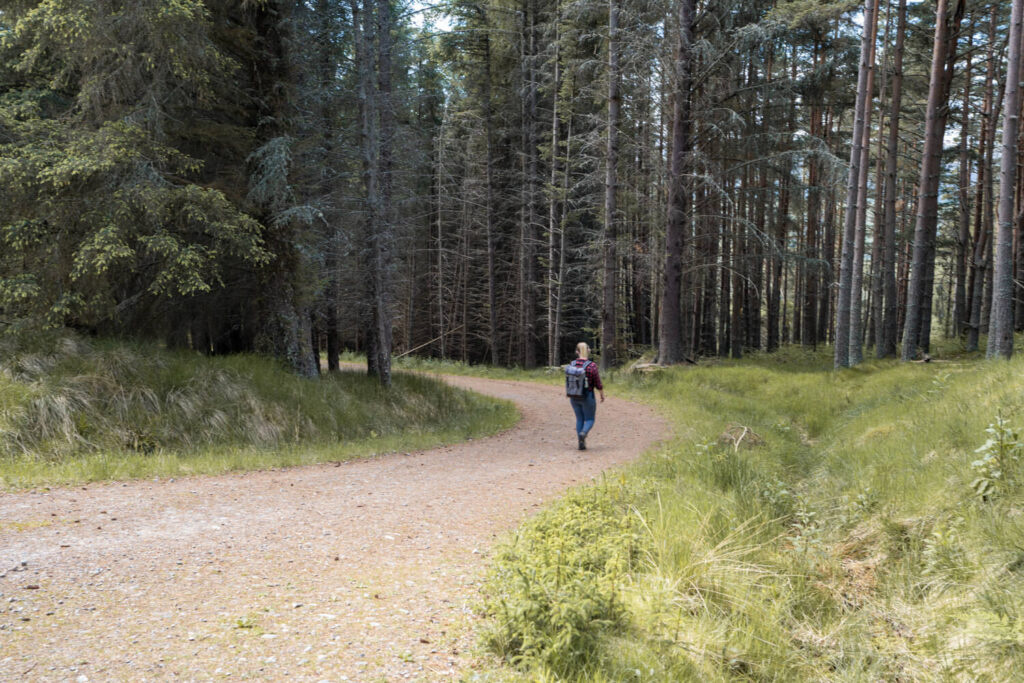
803	524
452	367
73	410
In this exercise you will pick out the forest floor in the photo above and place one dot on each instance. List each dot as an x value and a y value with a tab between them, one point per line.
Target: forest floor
364	571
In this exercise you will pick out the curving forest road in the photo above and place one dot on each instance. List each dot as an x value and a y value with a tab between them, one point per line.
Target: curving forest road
362	571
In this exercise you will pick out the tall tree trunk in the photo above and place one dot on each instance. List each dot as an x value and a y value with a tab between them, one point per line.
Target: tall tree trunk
825	307
809	325
1000	336
757	278
492	287
564	220
531	184
903	268
981	262
440	331
670	345
736	321
779	233
324	187
384	236
878	243
333	330
646	211
608	340
725	295
929	282
777	259
842	334
709	239
990	230
855	353
943	52
978	265
888	331
553	227
960	310
1018	318
377	131
369	140
285	318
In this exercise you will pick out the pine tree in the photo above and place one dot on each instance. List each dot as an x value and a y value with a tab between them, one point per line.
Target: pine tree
1000	339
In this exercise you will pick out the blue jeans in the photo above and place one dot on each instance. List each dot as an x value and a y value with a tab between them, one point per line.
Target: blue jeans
585	409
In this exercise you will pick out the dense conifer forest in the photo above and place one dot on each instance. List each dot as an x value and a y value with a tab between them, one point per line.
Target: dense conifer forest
280	185
492	181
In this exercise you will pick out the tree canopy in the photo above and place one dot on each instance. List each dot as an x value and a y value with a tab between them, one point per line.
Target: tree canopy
294	176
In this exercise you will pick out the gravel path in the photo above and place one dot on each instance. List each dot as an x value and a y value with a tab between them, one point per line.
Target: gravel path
364	571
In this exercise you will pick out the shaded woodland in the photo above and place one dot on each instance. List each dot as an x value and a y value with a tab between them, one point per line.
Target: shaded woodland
493	181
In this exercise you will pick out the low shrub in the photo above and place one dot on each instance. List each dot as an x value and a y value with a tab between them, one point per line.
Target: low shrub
557	585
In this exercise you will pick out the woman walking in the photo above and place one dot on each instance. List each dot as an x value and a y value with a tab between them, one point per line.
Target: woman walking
581	379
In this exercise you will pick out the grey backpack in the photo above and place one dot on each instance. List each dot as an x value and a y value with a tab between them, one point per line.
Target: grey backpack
576	379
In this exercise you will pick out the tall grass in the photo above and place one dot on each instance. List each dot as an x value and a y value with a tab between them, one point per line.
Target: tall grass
74	410
806	524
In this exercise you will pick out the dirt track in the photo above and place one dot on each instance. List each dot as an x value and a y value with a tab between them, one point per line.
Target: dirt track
365	571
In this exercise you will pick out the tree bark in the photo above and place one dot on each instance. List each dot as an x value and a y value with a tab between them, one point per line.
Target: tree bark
562	224
528	228
943	51
842	334
878	244
384	238
670	343
812	277
1018	318
326	77
1000	337
981	263
883	285
855	353
492	296
553	226
825	307
608	317
960	309
778	237
377	129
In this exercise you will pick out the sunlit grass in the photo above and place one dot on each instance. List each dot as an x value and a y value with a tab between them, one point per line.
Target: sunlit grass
807	524
73	411
453	367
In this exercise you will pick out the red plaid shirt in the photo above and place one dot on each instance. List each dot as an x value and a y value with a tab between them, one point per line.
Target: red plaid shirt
593	378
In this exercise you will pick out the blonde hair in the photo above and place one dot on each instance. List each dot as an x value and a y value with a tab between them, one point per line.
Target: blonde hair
582	350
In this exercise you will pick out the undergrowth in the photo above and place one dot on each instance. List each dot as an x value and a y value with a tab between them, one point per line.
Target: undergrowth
802	524
73	409
557	585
